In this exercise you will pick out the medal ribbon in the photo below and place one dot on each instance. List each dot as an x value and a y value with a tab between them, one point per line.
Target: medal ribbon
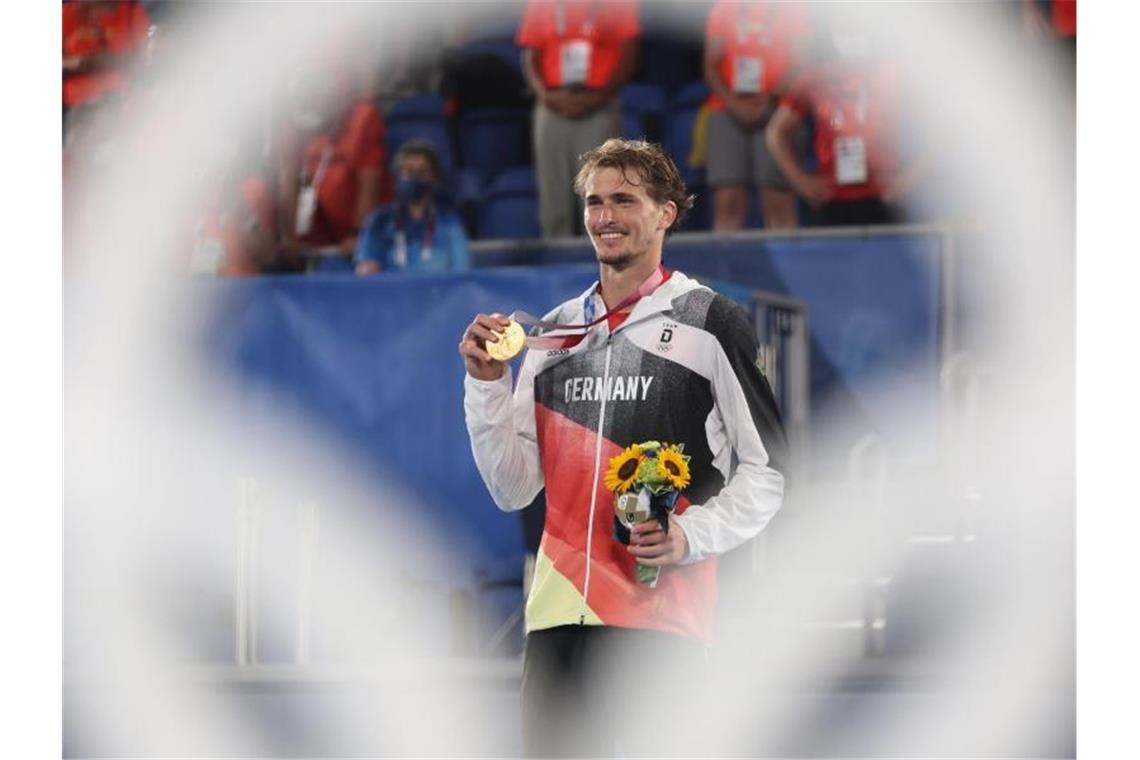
543	342
401	252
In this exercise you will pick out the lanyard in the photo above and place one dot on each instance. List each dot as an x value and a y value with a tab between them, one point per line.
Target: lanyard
745	22
401	253
848	96
318	175
567	340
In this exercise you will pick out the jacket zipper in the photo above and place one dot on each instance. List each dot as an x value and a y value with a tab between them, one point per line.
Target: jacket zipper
594	490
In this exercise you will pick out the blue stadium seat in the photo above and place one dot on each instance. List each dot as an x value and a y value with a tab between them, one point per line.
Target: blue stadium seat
678	142
466	195
467	186
679	120
425	106
642	111
493	139
503	48
510	206
420	116
667	60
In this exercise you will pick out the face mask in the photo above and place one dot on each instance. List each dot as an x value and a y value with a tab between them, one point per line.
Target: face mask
412	190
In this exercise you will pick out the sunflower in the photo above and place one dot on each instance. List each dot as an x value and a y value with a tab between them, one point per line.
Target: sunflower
674	466
623	469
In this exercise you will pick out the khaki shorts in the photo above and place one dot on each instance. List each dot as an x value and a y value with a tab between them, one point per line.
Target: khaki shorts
736	156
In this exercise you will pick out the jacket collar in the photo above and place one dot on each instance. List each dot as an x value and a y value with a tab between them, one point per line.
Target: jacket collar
656	302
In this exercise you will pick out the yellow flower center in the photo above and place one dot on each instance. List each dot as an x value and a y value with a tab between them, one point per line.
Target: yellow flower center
628	469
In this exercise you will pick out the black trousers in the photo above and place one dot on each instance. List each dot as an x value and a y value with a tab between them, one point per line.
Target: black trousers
591	691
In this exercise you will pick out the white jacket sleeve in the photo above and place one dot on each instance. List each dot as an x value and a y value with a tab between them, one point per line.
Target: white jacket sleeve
748	427
503	439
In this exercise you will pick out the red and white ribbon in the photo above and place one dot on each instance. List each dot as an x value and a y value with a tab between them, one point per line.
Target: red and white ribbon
572	335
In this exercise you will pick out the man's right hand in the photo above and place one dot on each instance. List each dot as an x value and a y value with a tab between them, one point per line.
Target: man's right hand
814	188
561	102
472	348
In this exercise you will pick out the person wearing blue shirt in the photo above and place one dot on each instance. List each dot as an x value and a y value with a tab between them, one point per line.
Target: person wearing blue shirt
416	233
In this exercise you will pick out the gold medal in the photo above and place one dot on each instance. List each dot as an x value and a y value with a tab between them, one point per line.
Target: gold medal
510	343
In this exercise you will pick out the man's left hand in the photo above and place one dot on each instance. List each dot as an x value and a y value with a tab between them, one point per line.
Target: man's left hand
656	548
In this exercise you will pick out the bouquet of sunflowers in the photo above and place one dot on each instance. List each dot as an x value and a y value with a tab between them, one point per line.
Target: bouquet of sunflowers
646	479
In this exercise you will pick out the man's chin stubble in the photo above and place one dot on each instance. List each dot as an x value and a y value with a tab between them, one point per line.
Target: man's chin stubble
618	263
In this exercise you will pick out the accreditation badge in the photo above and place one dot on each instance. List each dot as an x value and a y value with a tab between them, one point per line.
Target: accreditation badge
850	160
306	210
574	56
510	343
747	73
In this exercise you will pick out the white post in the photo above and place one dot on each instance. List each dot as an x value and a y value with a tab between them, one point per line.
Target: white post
308	516
241	580
870	486
245	574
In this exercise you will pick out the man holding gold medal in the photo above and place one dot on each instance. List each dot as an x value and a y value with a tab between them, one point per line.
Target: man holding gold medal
640	409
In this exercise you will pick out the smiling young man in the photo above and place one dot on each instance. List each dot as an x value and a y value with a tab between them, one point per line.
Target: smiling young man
657	357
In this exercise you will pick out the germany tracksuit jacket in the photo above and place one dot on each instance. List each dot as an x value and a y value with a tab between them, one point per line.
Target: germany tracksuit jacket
681	368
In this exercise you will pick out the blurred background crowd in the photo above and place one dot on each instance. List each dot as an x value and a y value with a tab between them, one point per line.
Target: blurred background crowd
403	143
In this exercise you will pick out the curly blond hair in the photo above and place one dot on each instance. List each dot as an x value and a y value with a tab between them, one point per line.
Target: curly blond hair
656	169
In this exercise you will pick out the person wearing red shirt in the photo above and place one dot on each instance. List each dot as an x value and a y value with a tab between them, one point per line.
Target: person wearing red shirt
854	100
577	54
751	50
332	171
98	40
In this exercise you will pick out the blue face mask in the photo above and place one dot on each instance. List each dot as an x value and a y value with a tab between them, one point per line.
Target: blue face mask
412	190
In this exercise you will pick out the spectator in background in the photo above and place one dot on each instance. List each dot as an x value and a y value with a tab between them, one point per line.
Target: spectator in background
751	50
99	40
576	57
417	232
854	97
331	174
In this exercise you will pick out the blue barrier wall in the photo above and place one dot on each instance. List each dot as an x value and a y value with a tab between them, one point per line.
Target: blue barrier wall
374	360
